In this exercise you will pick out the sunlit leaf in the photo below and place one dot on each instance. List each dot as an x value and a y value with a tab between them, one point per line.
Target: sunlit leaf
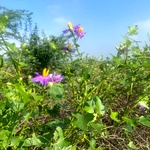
114	116
101	109
36	141
52	44
23	92
59	138
56	92
145	121
133	30
83	120
27	142
3	21
12	46
15	140
98	127
4	134
131	145
131	121
89	108
92	144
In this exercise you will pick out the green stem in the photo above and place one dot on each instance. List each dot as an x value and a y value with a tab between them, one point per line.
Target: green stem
12	60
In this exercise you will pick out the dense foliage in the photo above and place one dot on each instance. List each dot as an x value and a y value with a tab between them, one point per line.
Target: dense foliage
99	104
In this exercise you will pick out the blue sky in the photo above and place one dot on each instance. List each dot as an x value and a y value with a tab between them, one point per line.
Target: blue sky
104	21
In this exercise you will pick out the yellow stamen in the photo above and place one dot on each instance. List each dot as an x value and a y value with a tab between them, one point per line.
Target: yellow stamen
69	46
70	26
80	29
45	72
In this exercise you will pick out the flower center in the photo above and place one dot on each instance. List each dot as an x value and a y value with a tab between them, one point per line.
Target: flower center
80	29
45	72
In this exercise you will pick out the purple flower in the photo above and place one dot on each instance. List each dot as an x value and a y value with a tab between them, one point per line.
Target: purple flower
68	48
47	78
56	78
79	31
142	107
65	31
43	79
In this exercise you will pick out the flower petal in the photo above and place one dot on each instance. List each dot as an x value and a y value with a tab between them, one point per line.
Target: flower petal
56	78
65	31
37	78
43	80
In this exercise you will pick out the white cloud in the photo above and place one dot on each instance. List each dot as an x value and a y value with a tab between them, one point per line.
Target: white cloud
60	20
57	25
143	30
144	25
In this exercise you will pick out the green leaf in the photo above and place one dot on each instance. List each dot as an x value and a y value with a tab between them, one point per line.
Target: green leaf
56	92
4	135
23	92
69	148
2	106
37	98
59	138
145	121
26	115
32	141
15	140
22	64
100	107
12	46
97	127
1	61
36	141
114	116
3	21
133	30
24	45
128	127
52	45
131	121
89	108
117	59
86	73
83	120
127	42
27	142
146	63
92	144
131	145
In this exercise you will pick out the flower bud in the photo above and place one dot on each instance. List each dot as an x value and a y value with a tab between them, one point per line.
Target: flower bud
70	26
50	84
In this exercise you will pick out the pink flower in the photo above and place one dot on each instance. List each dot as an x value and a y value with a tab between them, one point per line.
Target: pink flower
77	30
47	78
142	107
68	48
56	78
43	79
